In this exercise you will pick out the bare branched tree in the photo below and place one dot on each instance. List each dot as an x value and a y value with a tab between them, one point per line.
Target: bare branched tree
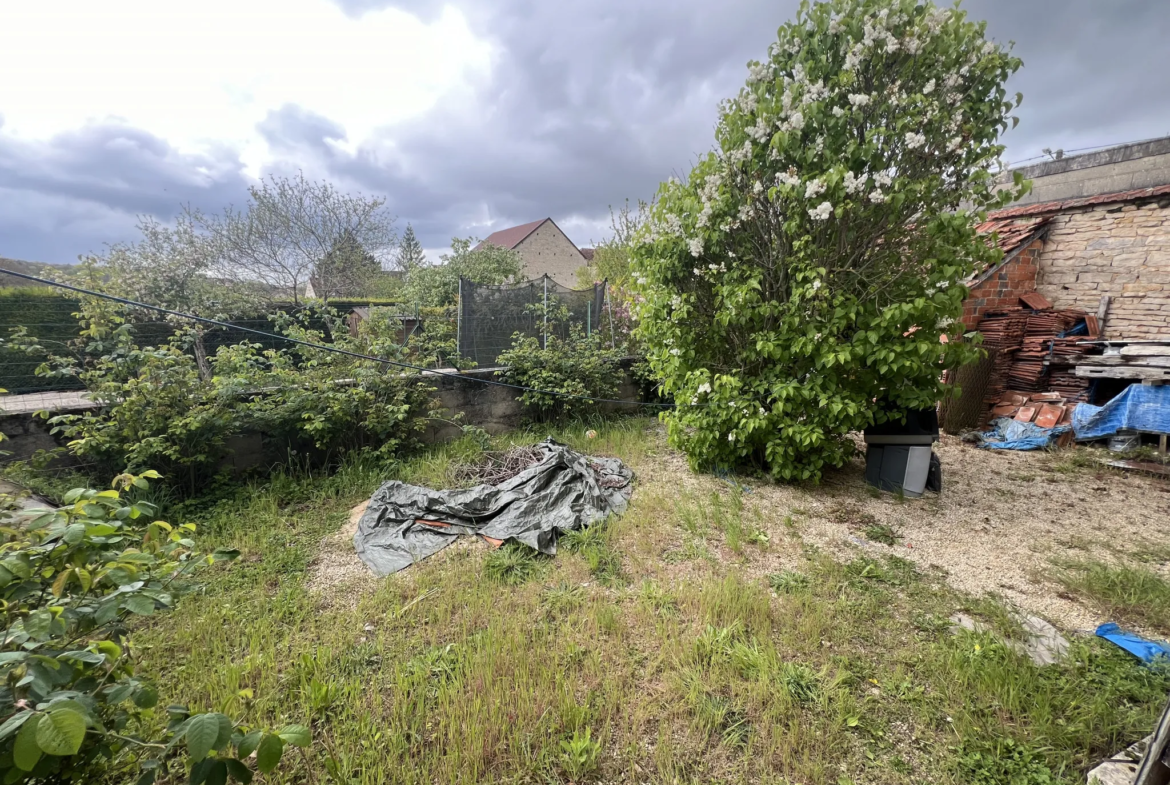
291	232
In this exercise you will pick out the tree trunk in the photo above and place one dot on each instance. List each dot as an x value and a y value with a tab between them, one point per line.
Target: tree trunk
201	357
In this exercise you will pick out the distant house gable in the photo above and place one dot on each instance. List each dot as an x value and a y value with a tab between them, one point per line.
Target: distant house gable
544	249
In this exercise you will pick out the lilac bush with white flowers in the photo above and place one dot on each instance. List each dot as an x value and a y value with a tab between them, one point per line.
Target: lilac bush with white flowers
805	271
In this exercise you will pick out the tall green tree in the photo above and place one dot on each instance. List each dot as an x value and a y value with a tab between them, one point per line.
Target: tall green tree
795	287
347	270
438	285
410	251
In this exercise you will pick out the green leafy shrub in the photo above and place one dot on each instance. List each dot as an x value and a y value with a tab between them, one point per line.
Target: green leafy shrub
579	365
72	581
158	408
806	269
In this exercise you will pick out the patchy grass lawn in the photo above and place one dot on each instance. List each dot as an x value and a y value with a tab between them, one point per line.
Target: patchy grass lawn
720	631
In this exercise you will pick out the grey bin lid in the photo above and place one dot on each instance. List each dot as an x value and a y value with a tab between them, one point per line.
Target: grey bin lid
915	440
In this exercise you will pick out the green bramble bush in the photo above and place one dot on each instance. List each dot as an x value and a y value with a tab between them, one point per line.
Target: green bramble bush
71	706
805	271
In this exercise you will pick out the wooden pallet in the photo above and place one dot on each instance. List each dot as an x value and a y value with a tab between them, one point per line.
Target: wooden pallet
1143	373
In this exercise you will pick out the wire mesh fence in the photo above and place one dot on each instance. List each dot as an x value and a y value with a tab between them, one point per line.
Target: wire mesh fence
477	331
491	316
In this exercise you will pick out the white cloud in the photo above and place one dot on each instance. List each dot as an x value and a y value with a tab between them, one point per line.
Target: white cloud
196	73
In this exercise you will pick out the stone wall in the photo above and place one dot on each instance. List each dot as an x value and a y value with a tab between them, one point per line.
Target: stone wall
1119	250
492	407
1002	287
549	251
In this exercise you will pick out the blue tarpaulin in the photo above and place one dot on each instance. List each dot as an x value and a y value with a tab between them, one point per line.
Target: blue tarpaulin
1009	434
1140	407
1144	649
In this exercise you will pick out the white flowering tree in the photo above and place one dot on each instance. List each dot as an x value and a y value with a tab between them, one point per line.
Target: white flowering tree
802	280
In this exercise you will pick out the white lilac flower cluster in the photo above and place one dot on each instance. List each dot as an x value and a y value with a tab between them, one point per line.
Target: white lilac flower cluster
787	178
759	72
855	184
814	187
915	140
821	212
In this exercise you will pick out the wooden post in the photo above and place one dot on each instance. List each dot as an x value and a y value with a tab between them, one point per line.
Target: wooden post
1102	309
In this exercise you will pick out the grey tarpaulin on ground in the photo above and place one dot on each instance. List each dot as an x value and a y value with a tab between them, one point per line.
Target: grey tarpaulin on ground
565	490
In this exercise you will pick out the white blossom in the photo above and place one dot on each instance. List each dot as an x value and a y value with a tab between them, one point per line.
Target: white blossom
838	111
855	184
912	45
757	187
746	211
793	123
870	34
881	178
954	144
731	437
876	196
821	212
816	284
936	19
814	187
787	178
859	99
705	387
696	246
835	25
854	57
748	101
759	131
758	72
928	88
914	141
989	47
675	352
891	44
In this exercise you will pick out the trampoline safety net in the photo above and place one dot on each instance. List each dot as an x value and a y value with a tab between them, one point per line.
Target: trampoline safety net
489	316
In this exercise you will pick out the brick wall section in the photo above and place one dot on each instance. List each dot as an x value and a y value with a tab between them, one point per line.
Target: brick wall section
549	251
1003	288
1120	250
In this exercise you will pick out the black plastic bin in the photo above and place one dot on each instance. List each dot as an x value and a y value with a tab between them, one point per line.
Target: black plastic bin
898	456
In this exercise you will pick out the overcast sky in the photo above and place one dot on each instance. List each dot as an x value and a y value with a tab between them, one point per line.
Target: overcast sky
469	116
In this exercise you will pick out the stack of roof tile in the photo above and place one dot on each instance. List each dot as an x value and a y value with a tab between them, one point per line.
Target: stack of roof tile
1032	357
1002	333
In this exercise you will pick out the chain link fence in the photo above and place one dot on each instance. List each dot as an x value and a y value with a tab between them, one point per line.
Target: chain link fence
490	316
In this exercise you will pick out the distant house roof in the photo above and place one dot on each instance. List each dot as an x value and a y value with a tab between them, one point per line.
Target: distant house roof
587	253
510	238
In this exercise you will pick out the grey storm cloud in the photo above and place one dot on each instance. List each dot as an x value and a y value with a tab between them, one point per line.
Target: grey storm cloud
588	103
77	190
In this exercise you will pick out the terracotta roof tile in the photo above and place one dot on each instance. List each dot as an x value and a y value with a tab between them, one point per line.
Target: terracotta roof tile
1010	233
511	237
1084	201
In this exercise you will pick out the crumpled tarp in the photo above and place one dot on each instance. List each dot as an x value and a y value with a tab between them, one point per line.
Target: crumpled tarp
1139	407
564	490
1009	434
1144	649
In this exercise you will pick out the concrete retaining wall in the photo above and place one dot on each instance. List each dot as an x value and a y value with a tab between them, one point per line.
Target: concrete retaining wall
494	408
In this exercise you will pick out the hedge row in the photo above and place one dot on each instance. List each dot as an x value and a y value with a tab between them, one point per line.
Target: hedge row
49	318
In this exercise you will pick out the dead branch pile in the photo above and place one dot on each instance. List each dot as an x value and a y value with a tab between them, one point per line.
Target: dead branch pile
496	466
